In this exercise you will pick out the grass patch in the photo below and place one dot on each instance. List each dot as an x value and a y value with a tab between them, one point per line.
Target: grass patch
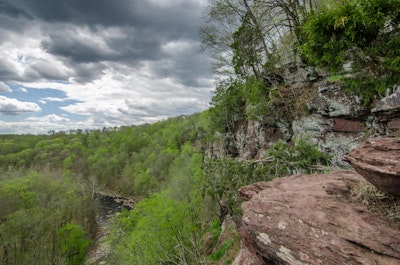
336	78
378	201
222	250
215	231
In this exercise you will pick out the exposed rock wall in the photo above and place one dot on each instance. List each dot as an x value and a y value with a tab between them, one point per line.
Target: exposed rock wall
336	121
387	113
313	219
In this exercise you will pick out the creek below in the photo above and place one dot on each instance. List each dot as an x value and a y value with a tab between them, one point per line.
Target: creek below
108	206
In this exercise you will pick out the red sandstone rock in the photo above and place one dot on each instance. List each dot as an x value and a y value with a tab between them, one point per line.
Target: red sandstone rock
247	257
393	126
312	219
378	161
348	126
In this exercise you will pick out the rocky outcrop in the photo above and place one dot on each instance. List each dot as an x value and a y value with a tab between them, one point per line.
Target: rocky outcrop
332	101
378	161
312	219
387	113
332	118
337	122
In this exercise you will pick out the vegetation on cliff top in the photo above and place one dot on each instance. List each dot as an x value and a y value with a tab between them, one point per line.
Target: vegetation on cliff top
253	41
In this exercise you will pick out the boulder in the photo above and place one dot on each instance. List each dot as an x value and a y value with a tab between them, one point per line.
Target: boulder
387	113
313	219
378	161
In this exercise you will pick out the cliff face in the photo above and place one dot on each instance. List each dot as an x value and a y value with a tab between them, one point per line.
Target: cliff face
334	120
313	219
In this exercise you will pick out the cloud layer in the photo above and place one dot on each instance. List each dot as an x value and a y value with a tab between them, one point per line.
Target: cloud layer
118	62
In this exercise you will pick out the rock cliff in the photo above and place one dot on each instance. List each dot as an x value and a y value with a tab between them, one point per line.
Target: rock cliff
313	219
313	108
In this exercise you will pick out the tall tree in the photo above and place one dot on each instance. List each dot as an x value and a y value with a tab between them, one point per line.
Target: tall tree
253	33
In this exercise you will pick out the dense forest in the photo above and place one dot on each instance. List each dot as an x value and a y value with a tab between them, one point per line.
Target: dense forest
49	182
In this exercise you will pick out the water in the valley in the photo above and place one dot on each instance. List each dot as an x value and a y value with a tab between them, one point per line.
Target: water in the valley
108	205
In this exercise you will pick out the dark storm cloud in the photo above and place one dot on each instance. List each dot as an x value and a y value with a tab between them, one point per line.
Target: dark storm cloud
101	53
78	32
178	18
87	72
12	10
6	72
71	46
184	63
128	45
77	11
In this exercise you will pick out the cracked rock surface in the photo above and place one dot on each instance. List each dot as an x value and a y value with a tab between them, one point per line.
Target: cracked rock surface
312	219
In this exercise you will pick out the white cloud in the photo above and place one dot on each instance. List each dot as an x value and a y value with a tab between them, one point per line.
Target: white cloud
52	99
25	58
11	106
38	126
4	87
51	118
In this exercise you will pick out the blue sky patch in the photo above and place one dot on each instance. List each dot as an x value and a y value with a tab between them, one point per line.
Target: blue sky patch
50	101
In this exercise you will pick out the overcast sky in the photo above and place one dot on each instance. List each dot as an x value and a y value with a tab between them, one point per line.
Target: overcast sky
77	64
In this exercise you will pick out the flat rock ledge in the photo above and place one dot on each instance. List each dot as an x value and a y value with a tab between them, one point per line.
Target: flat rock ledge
378	161
312	219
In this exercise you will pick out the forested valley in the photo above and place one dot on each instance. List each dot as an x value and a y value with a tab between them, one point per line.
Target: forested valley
49	184
183	192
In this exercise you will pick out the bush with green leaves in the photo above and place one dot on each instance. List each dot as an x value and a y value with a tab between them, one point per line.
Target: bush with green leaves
363	33
302	157
237	99
227	106
73	244
160	230
256	97
224	176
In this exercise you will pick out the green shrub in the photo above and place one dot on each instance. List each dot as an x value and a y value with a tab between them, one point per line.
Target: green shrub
362	33
73	243
159	230
224	176
222	250
302	157
226	106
